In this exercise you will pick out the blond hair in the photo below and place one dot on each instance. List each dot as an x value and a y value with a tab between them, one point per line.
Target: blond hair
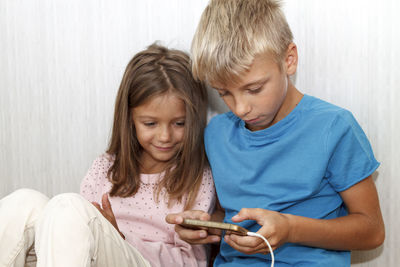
153	72
231	33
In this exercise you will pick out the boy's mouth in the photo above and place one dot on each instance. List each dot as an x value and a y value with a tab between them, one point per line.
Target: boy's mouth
252	121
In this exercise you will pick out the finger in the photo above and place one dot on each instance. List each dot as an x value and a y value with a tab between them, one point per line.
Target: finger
190	234
262	247
105	202
247	250
244	214
262	251
177	218
174	218
244	249
98	207
196	236
246	245
247	241
196	214
250	214
204	216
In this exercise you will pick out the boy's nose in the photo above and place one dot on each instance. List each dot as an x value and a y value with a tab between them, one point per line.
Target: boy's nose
242	108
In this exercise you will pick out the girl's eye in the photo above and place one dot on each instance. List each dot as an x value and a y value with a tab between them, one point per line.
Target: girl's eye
180	123
149	124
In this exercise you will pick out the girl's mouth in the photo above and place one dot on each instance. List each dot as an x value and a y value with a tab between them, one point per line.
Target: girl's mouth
167	148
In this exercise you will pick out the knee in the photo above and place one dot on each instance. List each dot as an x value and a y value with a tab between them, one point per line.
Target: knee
22	206
66	218
27	198
68	203
67	199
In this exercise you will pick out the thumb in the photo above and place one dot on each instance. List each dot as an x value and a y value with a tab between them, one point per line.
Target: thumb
248	214
174	218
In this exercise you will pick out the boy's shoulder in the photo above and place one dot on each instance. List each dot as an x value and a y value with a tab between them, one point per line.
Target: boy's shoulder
318	108
316	104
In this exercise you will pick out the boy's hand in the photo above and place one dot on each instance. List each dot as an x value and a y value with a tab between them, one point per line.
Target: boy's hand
189	235
107	211
275	228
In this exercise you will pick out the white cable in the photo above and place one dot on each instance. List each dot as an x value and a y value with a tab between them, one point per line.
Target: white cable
266	242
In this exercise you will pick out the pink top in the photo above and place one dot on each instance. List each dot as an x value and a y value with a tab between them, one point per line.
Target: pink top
142	220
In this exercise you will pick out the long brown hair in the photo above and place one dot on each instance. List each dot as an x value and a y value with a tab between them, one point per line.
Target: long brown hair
153	72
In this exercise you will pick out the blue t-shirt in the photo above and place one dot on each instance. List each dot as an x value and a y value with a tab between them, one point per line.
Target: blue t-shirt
297	166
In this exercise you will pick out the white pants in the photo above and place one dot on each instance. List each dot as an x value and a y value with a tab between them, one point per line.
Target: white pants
64	231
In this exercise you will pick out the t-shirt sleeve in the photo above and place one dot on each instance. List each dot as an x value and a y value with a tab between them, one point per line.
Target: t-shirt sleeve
351	156
95	182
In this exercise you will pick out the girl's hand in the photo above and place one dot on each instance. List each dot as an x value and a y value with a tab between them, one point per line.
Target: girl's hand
107	211
189	235
275	228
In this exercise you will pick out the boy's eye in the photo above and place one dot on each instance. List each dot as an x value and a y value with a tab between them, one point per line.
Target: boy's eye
254	91
222	93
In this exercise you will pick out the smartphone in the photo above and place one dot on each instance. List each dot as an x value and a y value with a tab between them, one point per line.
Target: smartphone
228	227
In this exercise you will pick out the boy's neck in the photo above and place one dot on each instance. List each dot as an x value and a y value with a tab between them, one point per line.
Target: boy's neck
293	97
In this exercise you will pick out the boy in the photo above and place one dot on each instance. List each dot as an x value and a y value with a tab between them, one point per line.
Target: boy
289	166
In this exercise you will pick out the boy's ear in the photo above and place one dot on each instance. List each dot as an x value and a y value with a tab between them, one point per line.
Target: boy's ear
291	59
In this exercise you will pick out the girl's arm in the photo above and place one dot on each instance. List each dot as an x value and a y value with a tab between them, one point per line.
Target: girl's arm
93	186
361	229
197	236
106	210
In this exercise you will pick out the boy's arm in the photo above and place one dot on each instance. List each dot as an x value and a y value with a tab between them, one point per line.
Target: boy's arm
362	228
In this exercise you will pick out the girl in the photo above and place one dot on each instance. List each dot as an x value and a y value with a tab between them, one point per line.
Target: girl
155	165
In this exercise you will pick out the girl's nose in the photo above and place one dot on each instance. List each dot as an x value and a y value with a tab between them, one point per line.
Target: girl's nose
164	134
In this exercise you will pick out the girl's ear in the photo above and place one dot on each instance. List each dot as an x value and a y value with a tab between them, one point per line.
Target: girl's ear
291	59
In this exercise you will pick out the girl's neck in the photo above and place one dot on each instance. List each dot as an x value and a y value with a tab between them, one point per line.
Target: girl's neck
152	167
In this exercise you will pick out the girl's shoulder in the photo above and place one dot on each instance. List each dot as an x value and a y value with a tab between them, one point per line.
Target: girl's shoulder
105	160
100	166
106	157
96	182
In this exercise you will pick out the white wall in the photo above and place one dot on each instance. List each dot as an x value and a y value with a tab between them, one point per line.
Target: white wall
349	55
61	62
